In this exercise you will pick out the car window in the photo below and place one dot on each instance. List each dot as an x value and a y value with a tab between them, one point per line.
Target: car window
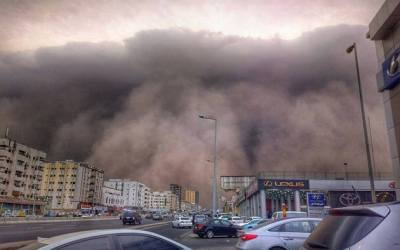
141	242
216	222
342	231
185	218
296	227
100	243
225	223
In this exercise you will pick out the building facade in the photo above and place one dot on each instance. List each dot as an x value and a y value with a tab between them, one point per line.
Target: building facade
112	198
70	186
267	195
384	30
21	172
166	201
135	194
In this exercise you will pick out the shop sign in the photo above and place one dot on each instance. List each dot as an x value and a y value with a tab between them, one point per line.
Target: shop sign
315	204
286	184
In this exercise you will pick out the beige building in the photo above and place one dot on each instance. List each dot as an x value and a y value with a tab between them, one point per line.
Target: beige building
21	170
384	30
69	185
165	200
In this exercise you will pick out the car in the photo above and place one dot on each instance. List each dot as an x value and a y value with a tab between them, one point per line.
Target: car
254	218
236	220
131	217
225	217
182	222
199	218
364	227
157	216
252	224
285	234
106	240
216	227
289	214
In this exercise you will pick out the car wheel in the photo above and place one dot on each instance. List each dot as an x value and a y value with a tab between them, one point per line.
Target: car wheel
210	234
237	235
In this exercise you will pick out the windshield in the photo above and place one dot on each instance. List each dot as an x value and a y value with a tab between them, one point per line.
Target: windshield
185	218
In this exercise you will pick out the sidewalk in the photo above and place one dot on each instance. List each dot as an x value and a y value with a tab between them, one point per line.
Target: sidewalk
52	219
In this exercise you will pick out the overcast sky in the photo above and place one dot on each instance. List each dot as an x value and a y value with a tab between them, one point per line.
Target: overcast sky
121	83
29	24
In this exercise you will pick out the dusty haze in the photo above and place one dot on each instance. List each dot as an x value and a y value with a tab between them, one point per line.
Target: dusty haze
132	109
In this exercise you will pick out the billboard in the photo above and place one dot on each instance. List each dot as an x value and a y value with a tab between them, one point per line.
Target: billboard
235	182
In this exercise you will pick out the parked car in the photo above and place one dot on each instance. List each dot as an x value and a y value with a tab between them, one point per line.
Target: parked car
236	220
289	214
362	227
199	218
216	227
131	217
182	222
157	216
107	240
254	217
252	224
284	234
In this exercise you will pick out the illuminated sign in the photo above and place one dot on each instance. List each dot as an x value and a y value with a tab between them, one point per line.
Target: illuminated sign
286	184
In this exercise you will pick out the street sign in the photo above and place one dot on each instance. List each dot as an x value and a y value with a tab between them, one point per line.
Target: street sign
315	204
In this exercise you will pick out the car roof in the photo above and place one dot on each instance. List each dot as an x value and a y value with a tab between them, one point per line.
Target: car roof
66	238
380	209
280	222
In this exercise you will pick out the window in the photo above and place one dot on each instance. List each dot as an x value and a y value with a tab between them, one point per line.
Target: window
225	223
141	242
294	227
101	243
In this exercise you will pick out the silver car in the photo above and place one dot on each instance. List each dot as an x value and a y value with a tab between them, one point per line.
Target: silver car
288	234
363	227
107	240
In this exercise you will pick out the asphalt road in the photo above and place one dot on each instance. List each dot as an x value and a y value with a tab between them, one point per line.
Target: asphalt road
30	231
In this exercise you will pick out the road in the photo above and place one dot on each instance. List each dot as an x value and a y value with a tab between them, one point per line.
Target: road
30	231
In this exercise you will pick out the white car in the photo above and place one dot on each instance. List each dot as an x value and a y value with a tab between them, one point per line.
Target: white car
182	222
236	220
254	218
107	240
284	234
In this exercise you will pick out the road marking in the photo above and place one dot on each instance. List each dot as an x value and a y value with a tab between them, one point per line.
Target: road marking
185	234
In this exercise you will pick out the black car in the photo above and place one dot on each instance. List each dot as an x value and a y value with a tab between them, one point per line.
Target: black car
216	227
131	217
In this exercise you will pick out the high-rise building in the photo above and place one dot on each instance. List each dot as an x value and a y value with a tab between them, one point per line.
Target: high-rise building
69	185
21	170
177	190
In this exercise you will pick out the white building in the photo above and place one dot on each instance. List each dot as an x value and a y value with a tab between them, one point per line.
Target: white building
135	194
112	197
165	200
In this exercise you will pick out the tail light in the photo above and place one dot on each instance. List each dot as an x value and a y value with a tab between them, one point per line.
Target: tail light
199	226
247	237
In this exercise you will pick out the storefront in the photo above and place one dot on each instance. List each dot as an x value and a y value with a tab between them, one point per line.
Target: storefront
20	207
265	196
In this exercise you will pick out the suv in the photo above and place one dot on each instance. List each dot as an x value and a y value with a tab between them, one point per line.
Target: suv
362	227
289	214
131	217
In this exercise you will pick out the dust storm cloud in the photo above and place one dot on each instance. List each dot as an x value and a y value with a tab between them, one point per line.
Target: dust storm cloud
132	109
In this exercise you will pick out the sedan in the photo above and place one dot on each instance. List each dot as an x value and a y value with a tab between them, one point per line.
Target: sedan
216	227
125	239
181	222
288	234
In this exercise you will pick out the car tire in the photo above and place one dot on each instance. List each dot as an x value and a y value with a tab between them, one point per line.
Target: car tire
210	234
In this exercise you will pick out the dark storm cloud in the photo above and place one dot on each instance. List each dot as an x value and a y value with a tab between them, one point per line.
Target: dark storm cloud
132	109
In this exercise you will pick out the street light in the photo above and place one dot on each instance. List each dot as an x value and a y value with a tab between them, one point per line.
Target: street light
370	172
214	179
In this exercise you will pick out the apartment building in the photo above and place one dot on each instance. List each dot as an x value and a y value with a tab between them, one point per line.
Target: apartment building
135	194
165	200
21	171
70	186
112	198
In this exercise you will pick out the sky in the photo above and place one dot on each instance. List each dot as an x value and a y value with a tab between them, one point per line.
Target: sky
121	83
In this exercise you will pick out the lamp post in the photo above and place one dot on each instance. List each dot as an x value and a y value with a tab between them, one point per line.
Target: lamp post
370	171
214	178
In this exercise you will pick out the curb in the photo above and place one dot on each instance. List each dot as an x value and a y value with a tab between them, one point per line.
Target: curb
55	221
19	244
